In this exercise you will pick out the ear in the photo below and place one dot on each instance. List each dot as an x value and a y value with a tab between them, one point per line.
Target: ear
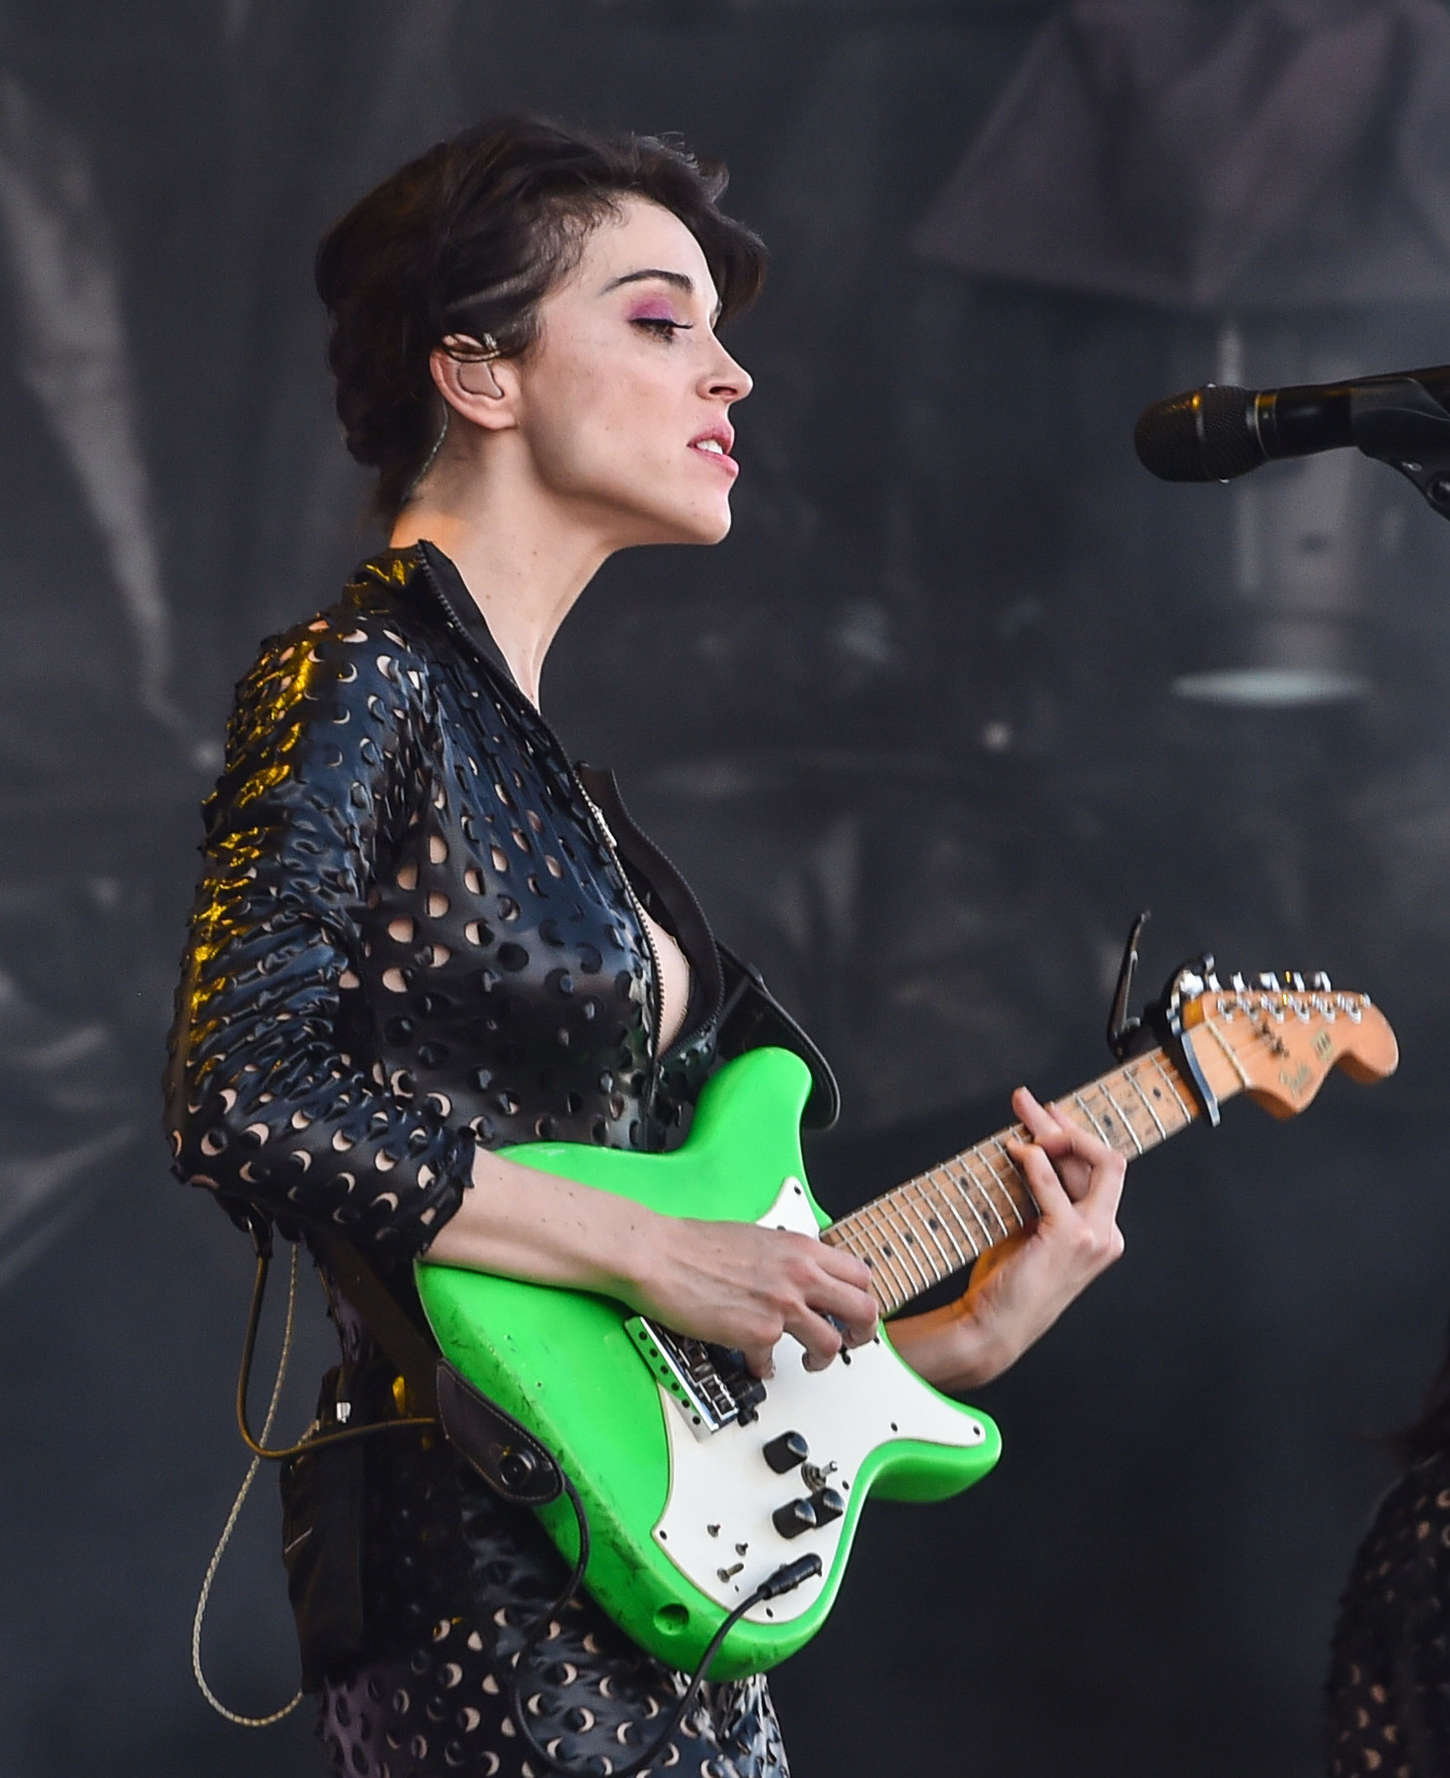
478	384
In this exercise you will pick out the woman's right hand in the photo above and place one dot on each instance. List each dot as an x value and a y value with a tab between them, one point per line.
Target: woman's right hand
733	1283
741	1285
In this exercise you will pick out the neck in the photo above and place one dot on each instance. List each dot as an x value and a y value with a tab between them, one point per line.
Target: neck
939	1222
523	561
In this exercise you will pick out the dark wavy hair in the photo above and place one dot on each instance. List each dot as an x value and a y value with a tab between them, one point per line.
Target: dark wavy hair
468	238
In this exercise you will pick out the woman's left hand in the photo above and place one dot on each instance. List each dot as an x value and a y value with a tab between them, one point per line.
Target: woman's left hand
1019	1288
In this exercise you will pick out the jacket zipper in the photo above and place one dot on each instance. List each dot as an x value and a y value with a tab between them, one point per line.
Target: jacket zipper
596	814
607	835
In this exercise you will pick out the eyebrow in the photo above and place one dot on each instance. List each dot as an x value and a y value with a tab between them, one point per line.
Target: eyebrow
679	280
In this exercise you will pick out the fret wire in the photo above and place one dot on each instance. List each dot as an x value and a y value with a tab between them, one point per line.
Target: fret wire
1014	1172
909	1216
1131	1077
970	1188
1160	1063
967	1157
1107	1093
996	1177
888	1263
845	1234
963	1189
887	1253
923	1192
940	1211
905	1241
907	1234
1098	1129
851	1233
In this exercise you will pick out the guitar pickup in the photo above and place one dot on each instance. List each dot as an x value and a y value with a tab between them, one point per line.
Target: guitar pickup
688	1371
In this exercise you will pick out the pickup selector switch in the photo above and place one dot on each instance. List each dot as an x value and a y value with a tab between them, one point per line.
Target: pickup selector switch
786	1451
827	1504
793	1518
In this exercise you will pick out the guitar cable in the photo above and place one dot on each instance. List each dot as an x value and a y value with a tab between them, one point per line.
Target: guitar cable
204	1597
783	1580
258	1446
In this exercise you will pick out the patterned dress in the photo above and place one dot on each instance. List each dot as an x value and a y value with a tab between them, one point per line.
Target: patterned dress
415	934
1389	1680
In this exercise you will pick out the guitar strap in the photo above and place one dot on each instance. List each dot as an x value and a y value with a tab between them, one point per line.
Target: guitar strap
508	1457
752	1018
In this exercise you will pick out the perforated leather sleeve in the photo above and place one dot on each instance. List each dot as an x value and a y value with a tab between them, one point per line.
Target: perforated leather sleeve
327	761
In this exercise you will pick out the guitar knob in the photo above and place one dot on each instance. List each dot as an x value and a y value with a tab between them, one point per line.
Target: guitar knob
785	1452
827	1504
748	1399
796	1516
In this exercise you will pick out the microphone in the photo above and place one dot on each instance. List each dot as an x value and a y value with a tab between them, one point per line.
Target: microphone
1219	431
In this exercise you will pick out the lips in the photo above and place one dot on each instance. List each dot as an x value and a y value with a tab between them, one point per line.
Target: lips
716	444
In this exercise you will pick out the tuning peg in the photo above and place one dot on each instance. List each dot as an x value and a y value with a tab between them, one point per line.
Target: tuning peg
1237	983
1267	979
1320	982
1295	981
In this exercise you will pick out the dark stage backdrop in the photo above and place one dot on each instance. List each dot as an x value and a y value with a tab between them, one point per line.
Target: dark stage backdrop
913	730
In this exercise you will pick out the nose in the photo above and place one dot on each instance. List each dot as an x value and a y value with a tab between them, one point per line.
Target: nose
727	380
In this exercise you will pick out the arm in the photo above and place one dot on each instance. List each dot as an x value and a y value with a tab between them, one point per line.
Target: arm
326	762
745	1285
323	761
735	1283
1019	1289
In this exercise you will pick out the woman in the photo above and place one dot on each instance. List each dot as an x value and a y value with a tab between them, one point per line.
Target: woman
1388	1692
418	937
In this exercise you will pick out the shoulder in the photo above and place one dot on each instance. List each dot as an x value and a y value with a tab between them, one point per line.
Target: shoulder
364	650
343	695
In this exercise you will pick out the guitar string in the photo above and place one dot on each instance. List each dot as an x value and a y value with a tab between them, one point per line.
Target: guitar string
956	1189
903	1227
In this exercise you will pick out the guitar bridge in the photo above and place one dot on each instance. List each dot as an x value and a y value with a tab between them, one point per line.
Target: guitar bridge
709	1383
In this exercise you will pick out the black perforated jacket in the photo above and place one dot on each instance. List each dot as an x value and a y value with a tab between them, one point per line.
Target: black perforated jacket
418	929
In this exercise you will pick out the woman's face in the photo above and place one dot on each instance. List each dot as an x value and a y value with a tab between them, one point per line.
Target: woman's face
625	397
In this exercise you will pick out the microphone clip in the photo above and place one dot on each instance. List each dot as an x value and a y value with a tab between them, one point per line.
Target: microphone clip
1397	421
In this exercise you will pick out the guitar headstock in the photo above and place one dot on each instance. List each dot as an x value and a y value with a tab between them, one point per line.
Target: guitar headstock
1278	1038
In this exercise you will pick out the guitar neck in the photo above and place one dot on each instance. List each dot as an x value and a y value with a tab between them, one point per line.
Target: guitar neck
937	1223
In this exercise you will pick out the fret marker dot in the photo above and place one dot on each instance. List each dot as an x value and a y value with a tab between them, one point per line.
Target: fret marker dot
885	1251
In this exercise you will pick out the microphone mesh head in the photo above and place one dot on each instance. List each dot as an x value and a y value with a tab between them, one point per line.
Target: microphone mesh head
1203	435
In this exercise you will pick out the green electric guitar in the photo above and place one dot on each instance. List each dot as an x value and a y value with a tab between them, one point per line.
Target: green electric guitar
701	1482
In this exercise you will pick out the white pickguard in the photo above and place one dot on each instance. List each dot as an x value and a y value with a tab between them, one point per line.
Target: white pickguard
716	1526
